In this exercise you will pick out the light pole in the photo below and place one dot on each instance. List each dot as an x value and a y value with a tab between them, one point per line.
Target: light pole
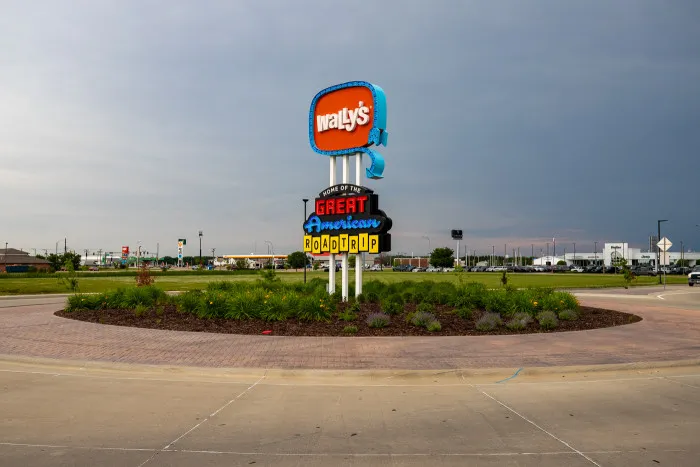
272	249
213	257
4	257
595	253
427	238
493	254
200	247
574	254
658	250
305	200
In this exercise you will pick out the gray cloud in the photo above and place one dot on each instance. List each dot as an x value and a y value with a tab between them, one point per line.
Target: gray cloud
515	121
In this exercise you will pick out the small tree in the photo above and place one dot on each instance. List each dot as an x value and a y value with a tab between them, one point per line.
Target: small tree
70	278
627	273
144	278
561	262
351	261
442	258
297	259
241	264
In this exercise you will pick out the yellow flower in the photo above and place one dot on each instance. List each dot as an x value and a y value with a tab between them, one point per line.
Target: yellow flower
211	303
265	301
534	303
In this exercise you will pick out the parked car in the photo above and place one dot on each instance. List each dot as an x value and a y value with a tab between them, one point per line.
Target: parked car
328	268
694	276
576	269
644	271
418	270
376	267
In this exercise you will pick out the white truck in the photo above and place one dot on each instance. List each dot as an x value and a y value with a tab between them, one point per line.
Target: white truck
694	276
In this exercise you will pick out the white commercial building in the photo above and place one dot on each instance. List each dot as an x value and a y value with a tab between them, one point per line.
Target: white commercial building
613	251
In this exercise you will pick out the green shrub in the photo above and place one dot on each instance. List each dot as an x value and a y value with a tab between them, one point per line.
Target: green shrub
355	307
464	312
558	301
276	305
213	305
390	307
422	319
499	301
519	321
140	310
147	295
547	319
434	326
80	302
347	315
489	322
378	320
396	298
568	315
315	309
362	298
372	297
472	295
425	307
222	286
437	298
187	302
408	297
350	330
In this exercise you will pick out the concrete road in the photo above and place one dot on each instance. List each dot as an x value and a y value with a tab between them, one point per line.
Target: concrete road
63	414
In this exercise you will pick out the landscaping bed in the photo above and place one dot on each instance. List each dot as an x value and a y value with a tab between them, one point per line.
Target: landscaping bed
399	309
451	324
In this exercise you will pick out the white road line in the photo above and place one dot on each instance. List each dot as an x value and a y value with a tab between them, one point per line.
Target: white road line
539	427
326	454
678	382
167	447
661	296
93	448
380	385
214	413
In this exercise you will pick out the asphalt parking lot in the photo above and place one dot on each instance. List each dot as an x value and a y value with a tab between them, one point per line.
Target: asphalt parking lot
122	415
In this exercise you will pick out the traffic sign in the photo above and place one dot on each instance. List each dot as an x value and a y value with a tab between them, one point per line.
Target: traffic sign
664	244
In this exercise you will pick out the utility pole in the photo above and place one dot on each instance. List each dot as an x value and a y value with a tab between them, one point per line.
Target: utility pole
213	257
86	256
65	245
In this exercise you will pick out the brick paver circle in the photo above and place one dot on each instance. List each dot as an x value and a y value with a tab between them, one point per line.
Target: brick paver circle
667	332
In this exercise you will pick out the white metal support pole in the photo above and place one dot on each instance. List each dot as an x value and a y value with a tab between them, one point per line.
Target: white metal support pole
360	257
345	263
331	256
457	255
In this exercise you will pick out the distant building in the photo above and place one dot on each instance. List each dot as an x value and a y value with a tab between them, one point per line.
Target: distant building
12	260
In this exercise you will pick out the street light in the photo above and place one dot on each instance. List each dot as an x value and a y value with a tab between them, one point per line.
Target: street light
595	253
4	257
658	250
272	249
200	247
427	238
305	200
493	254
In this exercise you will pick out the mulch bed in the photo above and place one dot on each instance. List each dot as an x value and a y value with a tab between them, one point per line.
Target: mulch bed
452	325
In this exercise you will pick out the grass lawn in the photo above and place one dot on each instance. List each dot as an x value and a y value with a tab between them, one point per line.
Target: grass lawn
51	284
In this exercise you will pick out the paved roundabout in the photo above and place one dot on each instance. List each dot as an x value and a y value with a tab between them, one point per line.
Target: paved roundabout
76	393
670	330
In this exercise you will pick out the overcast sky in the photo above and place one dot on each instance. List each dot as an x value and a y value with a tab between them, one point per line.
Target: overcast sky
516	121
